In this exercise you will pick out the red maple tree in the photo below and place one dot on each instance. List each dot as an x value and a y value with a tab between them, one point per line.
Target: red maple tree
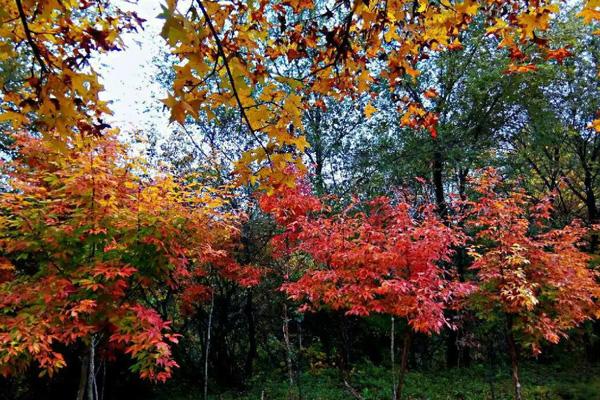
531	273
381	256
84	239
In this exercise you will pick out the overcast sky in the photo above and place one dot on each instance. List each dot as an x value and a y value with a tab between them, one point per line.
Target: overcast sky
127	75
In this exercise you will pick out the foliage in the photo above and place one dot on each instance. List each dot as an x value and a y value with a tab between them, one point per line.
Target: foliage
475	383
384	259
85	239
61	94
272	59
535	274
387	109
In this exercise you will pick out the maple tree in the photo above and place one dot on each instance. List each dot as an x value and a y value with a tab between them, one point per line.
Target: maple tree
57	40
92	239
85	238
381	256
534	275
273	59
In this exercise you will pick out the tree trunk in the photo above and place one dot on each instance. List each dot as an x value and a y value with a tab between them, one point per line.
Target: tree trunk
319	156
593	349
299	360
437	172
103	385
87	378
452	351
288	344
592	210
438	183
83	376
206	353
514	360
252	352
491	373
92	373
403	363
346	359
393	359
463	173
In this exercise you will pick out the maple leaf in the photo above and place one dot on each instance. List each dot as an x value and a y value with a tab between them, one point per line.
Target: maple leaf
430	93
369	110
456	45
520	69
559	54
590	11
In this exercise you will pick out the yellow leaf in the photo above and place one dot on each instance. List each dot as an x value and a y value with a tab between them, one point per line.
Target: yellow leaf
369	110
300	143
16	119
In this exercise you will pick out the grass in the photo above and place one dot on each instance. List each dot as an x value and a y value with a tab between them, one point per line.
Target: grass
555	382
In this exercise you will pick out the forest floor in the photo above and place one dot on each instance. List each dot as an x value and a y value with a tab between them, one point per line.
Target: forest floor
547	382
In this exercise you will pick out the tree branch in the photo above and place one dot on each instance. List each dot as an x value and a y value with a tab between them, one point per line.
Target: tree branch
221	52
34	48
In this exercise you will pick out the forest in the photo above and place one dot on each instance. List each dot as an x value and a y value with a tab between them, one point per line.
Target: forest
351	200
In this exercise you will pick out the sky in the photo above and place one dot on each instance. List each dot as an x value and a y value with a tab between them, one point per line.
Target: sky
127	75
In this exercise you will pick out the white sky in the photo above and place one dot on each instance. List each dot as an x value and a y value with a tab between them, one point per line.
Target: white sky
128	75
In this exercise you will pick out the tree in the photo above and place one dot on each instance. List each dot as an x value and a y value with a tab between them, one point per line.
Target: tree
89	242
555	139
59	38
535	276
376	257
272	59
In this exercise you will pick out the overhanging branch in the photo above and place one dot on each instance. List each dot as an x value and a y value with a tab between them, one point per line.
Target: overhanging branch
221	53
34	48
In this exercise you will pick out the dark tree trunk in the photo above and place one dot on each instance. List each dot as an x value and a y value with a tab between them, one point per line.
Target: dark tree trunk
223	368
452	353
437	172
491	373
207	347
463	173
514	360
592	209
345	360
83	376
403	363
320	180
593	347
463	355
438	182
252	353
317	146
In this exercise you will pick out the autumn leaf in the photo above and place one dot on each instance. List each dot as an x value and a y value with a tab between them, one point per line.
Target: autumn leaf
559	54
430	93
369	110
520	69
